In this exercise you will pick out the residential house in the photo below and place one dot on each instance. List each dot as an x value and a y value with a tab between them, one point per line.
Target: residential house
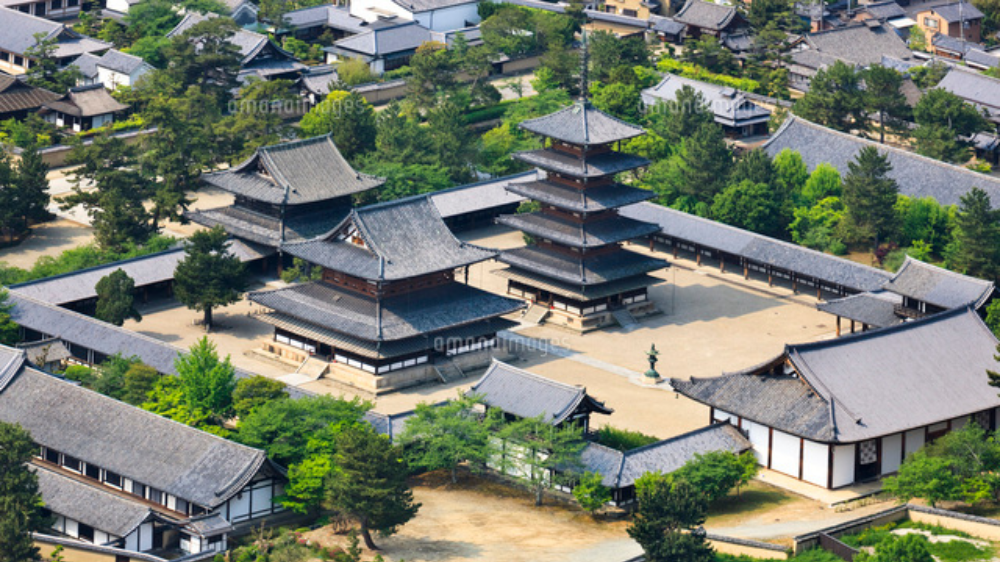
839	412
709	18
960	20
315	82
917	176
383	48
116	68
733	110
620	25
641	9
49	9
243	12
83	108
310	23
18	99
436	15
984	93
667	29
859	45
261	57
113	474
18	37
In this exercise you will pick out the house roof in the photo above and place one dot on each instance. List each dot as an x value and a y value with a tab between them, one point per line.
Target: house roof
917	176
386	40
395	240
473	197
120	62
92	505
390	318
86	101
418	6
45	351
17	95
665	25
170	456
865	385
954	45
600	165
858	44
938	286
20	30
582	272
730	106
759	248
317	79
885	10
258	228
583	124
294	173
706	15
593	200
87	64
250	44
592	234
876	308
978	57
527	395
957	11
973	87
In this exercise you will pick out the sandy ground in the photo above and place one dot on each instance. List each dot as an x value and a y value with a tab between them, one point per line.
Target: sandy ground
47	239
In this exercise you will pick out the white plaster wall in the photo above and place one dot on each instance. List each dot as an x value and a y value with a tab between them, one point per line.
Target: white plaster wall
239	506
843	465
262	499
120	6
449	19
815	463
785	453
72	529
102	120
892	451
721	416
363	9
759	438
914	440
146	537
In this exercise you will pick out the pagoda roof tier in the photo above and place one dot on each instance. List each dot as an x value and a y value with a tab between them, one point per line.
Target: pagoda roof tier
582	124
596	166
294	173
591	234
590	200
264	229
582	271
388	319
576	292
391	241
384	350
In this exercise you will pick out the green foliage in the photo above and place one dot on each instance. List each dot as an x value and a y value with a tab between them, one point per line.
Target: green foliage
590	492
348	117
815	227
607	53
942	118
753	206
257	120
28	132
301	271
206	383
834	98
926	76
917	39
924	476
545	449
10	332
209	276
354	71
444	436
402	180
924	219
907	548
498	144
115	301
870	194
715	473
80	373
623	439
677	119
690	178
993	317
307	52
22	503
621	100
823	182
253	392
882	96
696	72
306	484
516	30
708	53
977	235
110	377
24	195
370	482
138	381
45	71
668	513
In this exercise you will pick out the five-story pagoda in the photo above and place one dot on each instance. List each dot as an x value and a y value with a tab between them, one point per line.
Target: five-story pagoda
575	264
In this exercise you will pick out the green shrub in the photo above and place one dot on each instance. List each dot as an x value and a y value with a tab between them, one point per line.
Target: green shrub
959	551
696	72
869	537
82	257
79	373
623	439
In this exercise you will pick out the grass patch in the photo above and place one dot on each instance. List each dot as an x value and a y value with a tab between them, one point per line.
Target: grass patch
869	537
959	551
814	555
933	529
755	496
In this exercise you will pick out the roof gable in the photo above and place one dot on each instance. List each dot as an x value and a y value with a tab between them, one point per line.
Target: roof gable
582	123
938	286
973	87
86	101
706	15
859	44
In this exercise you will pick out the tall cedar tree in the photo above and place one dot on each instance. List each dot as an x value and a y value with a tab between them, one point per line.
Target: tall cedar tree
115	205
209	276
977	236
668	520
705	163
870	194
115	301
32	187
207	383
834	99
369	483
20	502
443	437
678	119
882	95
204	56
544	449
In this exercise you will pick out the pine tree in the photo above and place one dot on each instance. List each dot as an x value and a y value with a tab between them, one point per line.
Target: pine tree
446	436
754	166
206	383
977	236
209	276
704	164
115	302
20	502
834	99
547	452
882	95
348	117
33	186
668	522
369	483
678	119
10	332
870	194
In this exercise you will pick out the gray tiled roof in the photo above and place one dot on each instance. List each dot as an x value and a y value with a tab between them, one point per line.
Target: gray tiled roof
593	200
120	62
86	101
336	17
973	87
952	44
665	25
386	41
19	30
592	270
917	176
706	15
981	58
418	6
859	44
876	308
866	385
180	460
480	196
294	173
392	318
592	234
938	286
605	164
885	10
583	124
87	63
759	248
208	525
89	503
17	95
731	107
250	44
317	79
958	11
527	395
623	20
264	229
402	239
574	291
45	351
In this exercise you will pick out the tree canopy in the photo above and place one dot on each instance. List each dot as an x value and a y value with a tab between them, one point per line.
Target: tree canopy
209	276
21	507
115	301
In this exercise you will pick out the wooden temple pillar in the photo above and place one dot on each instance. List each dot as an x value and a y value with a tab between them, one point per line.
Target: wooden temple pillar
838	326
852	326
674	246
697	256
722	263
819	294
746	269
770	277
795	284
650	243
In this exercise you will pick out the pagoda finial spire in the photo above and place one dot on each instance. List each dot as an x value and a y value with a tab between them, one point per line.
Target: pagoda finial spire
584	64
